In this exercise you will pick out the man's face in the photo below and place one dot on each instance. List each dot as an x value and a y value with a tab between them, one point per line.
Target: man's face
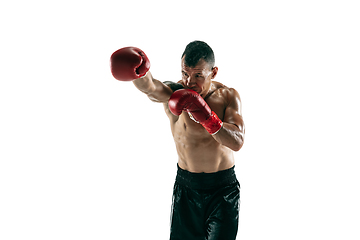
198	78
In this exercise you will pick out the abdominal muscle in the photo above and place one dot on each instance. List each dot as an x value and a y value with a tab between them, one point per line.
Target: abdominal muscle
198	151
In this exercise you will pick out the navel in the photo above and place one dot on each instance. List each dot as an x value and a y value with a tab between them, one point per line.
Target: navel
185	126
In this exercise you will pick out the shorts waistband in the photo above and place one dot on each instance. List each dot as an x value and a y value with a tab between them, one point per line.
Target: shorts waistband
206	180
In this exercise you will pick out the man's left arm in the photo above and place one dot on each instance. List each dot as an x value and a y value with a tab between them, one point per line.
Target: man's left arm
229	132
232	132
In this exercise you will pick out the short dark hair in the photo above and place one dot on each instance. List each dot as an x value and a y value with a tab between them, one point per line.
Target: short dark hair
197	50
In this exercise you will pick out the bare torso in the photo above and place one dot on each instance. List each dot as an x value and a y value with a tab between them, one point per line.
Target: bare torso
198	151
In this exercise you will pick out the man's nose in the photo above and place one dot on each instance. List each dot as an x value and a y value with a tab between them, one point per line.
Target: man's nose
190	81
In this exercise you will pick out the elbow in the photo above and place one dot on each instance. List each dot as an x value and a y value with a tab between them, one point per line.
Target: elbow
238	144
237	147
233	138
240	139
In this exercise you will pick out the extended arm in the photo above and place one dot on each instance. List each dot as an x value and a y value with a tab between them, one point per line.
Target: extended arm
132	64
154	89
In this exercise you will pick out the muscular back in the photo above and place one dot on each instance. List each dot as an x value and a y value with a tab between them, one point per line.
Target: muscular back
198	151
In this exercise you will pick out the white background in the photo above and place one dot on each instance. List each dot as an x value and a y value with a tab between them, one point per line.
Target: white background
84	156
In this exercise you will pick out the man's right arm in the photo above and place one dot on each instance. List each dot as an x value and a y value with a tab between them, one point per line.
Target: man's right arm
154	89
132	64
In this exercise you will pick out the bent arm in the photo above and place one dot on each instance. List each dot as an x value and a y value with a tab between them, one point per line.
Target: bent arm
231	136
154	89
232	132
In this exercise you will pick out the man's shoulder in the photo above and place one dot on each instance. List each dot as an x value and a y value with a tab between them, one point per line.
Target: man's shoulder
219	85
224	90
228	95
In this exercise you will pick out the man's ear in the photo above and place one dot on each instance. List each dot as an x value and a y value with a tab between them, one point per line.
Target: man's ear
214	72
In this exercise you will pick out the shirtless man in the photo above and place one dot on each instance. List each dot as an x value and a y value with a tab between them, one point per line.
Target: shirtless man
207	126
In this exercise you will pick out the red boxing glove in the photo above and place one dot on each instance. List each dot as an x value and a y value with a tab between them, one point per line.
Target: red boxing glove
129	63
191	102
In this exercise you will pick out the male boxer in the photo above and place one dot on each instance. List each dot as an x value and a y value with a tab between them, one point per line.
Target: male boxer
207	126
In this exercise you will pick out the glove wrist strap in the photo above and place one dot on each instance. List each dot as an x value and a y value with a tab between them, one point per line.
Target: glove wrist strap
213	124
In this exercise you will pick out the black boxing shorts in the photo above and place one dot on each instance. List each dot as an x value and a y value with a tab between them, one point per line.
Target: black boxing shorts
205	206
